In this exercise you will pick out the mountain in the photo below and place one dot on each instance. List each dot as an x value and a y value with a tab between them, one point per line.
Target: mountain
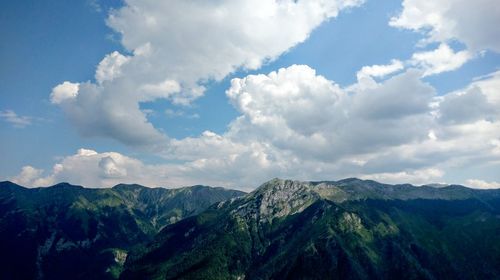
71	232
348	229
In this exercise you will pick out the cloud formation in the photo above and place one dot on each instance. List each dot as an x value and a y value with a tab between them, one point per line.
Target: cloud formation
480	184
14	119
448	22
380	70
472	22
171	56
296	124
92	169
390	125
29	176
442	59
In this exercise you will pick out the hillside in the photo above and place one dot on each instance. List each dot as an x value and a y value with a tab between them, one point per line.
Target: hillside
349	229
71	232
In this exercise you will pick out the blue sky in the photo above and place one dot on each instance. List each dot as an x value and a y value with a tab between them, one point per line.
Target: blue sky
148	120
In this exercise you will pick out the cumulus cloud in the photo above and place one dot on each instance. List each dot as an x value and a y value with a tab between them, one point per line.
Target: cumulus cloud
287	99
66	91
432	62
489	85
442	59
28	176
218	37
110	67
390	125
301	125
380	70
417	177
471	22
467	106
478	101
398	98
98	112
296	124
171	56
14	119
480	184
92	169
450	21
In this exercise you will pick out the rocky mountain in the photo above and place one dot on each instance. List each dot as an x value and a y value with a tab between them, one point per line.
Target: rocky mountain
71	232
348	229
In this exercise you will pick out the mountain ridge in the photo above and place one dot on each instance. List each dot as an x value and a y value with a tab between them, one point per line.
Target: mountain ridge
284	229
67	231
347	229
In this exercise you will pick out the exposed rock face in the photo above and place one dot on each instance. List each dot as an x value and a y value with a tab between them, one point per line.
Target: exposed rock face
276	198
279	198
350	222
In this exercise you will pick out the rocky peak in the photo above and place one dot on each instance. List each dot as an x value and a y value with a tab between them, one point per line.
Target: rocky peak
277	198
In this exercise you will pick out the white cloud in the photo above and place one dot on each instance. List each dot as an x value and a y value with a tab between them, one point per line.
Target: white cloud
218	37
14	119
28	176
164	89
289	98
466	107
380	70
489	85
101	111
111	169
174	55
478	101
397	98
296	124
92	169
442	59
471	22
66	91
417	177
110	67
306	127
480	184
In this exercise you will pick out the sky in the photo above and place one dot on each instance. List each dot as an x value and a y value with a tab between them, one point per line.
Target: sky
236	92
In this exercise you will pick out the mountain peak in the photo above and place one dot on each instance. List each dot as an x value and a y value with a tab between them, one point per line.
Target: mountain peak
66	185
9	184
277	198
277	183
280	197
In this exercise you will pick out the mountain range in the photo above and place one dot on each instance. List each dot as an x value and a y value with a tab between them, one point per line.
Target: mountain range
347	229
71	232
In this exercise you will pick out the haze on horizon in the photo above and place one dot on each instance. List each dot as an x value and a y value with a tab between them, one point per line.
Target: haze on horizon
235	92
